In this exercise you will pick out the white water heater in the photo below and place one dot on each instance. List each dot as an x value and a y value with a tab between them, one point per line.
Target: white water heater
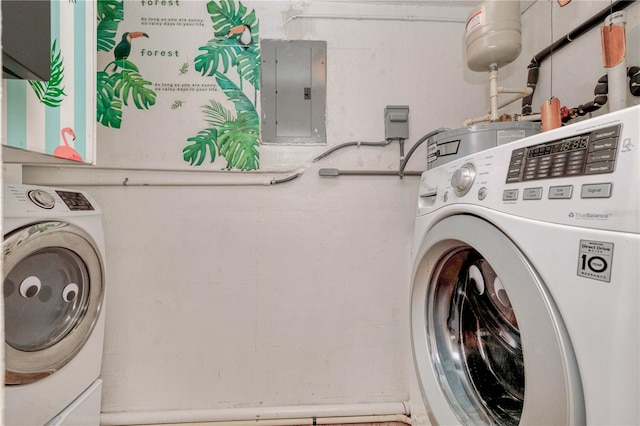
493	35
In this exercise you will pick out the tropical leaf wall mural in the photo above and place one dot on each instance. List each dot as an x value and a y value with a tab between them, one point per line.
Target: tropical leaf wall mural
120	82
51	92
231	134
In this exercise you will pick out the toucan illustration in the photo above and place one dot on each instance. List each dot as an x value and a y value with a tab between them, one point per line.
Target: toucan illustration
123	49
244	30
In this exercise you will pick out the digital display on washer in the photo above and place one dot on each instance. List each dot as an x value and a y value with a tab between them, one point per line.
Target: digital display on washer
585	154
75	200
565	145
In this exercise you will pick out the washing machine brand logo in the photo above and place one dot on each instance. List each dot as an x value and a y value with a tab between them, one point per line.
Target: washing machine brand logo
625	213
589	216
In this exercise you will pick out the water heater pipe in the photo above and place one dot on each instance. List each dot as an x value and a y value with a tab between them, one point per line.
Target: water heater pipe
534	66
615	59
520	91
494	91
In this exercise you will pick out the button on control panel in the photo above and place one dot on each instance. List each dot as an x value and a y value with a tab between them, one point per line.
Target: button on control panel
532	194
510	195
561	192
585	154
565	192
599	190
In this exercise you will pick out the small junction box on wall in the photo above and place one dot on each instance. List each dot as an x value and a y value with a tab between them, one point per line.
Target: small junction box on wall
396	122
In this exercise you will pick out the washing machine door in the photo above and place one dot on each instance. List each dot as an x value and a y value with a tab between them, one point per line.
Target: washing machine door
489	344
53	292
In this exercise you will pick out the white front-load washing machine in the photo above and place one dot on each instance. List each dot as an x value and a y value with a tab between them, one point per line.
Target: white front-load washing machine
53	273
524	297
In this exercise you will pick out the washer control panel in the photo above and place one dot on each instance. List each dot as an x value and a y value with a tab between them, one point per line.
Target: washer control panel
75	201
585	154
19	199
585	174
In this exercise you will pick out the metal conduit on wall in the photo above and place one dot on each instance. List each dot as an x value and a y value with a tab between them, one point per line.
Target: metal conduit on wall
85	176
375	18
407	18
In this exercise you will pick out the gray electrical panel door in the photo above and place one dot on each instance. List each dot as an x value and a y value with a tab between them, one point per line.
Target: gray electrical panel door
293	91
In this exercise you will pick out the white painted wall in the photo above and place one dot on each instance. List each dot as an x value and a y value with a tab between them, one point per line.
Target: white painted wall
229	297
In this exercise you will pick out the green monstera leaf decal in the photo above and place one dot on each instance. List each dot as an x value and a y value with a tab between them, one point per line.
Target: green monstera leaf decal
51	93
238	142
110	14
203	143
233	135
109	106
218	53
120	88
236	138
227	14
249	66
235	94
206	142
106	35
110	10
129	83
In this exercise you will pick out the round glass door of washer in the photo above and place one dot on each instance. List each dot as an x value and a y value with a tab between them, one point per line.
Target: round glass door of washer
53	291
489	345
477	338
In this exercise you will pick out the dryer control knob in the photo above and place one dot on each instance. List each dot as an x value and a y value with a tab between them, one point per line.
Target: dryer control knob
463	179
42	198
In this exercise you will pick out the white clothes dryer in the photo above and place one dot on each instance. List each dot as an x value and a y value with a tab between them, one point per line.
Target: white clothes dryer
53	273
524	297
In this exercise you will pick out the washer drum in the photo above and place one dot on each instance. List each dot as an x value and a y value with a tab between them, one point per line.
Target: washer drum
453	144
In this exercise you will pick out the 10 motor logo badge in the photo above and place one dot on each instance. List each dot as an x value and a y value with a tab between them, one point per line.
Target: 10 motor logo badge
595	260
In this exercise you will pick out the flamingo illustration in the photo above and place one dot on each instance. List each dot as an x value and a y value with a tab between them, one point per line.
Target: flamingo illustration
64	150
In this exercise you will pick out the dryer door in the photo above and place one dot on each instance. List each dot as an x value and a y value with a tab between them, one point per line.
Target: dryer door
53	292
488	342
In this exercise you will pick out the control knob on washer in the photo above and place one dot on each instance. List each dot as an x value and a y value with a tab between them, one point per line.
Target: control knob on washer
42	198
463	179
